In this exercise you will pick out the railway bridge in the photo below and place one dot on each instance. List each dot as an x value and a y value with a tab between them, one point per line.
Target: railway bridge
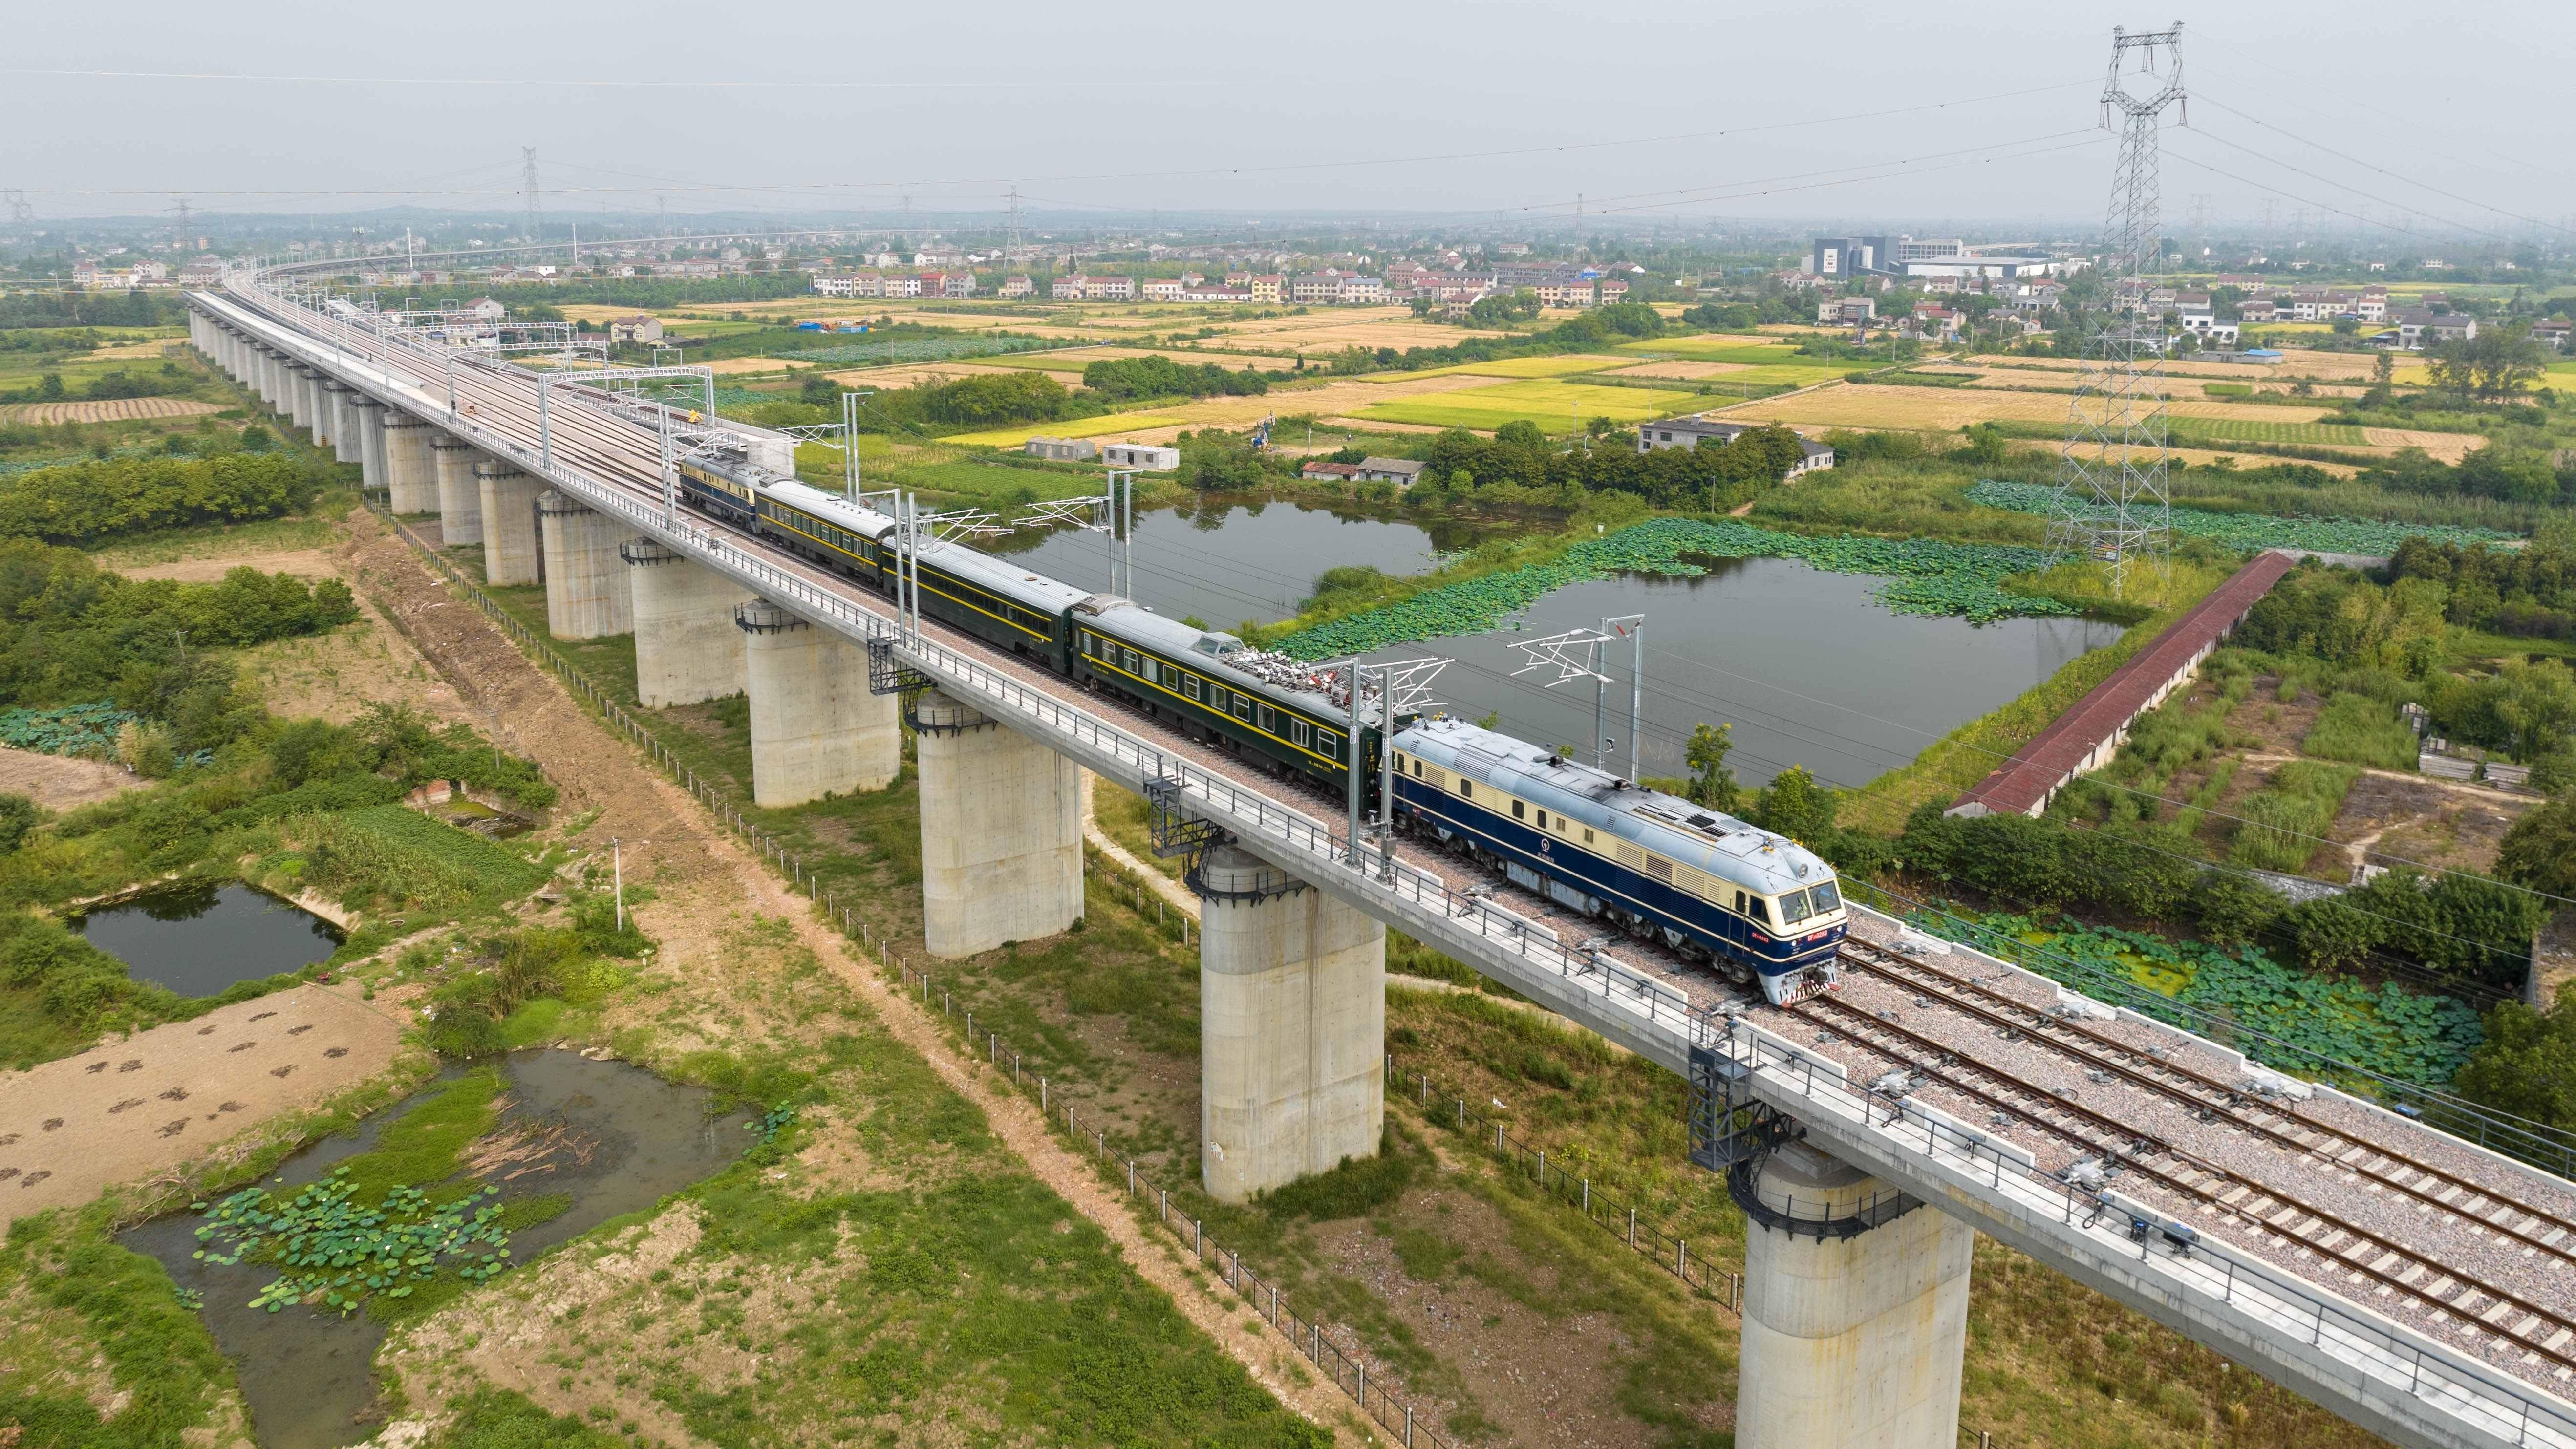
2417	1283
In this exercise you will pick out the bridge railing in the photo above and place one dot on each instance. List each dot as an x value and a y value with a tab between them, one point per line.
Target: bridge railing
2395	1358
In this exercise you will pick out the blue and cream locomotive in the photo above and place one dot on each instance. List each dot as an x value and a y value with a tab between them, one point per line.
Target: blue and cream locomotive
1710	886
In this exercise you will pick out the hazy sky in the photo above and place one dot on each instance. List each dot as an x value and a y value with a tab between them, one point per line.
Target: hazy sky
1254	110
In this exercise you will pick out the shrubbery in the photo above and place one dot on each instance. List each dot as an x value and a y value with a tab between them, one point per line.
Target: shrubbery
87	503
2459	925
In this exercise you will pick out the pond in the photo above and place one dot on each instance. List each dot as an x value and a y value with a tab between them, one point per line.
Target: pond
199	937
614	1138
1807	665
1228	558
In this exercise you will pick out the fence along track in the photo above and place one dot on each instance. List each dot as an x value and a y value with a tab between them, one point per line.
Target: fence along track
2541	1230
2266	1210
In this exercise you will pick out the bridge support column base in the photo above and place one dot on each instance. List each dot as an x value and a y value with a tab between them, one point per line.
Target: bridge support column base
1853	1340
460	499
815	729
506	507
587	596
411	471
1001	833
686	646
1292	1027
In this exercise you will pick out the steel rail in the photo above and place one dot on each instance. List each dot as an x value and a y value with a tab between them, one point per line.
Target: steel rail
1859	1025
2050	1030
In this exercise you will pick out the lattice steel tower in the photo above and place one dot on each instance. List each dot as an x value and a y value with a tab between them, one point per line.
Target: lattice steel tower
2112	501
528	192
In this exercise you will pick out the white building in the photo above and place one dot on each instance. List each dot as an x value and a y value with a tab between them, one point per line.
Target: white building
1147	457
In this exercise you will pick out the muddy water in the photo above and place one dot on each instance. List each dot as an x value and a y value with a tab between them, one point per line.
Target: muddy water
621	1139
199	937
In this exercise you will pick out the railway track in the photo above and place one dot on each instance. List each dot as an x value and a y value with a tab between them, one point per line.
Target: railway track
2349	1250
2214	1100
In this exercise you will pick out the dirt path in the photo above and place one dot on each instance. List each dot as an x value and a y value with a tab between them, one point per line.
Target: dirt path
125	1110
665	830
58	782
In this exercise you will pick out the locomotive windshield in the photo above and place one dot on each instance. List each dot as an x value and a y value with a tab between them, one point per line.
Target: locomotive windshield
1827	898
1793	908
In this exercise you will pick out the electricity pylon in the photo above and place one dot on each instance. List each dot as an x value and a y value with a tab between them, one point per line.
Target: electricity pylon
2113	504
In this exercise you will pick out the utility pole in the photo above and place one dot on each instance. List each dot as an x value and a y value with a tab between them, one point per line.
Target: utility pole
179	228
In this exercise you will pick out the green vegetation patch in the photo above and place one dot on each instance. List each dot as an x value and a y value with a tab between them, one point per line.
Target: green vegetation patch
2251	531
923	349
1925	576
2259	430
76	729
2286	821
392	852
2410	1035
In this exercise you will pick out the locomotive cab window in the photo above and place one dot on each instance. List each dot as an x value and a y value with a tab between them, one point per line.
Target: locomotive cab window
1761	910
1793	908
1827	896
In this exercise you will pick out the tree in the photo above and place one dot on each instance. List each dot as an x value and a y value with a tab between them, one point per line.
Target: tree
2495	363
1712	783
1796	806
2527	1064
2540	850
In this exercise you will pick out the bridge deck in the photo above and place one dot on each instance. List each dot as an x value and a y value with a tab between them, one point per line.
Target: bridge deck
2422	1286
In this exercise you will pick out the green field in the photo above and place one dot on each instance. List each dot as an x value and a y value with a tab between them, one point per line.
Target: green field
1554	406
2253	430
1012	437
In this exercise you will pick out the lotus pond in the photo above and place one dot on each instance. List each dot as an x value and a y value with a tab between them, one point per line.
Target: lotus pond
298	1276
2413	1036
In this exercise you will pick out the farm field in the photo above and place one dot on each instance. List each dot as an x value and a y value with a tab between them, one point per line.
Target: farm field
1513	367
1719	347
1013	436
1554	406
1680	369
1868	405
912	374
105	410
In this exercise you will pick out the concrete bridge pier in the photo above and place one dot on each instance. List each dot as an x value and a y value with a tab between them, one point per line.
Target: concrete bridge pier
370	415
411	471
460	500
1001	836
340	418
1292	1027
1855	1311
263	377
507	506
687	647
586	592
815	728
303	388
326	407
